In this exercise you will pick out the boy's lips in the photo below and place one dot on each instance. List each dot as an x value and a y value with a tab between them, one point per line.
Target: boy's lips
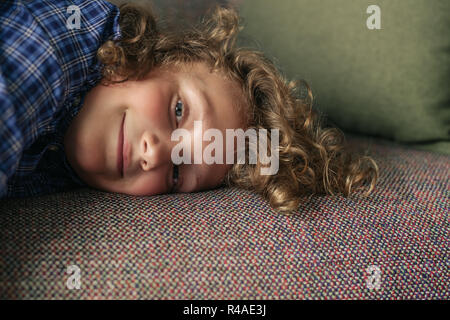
120	148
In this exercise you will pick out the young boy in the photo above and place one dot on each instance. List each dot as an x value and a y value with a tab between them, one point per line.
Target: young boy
63	127
134	121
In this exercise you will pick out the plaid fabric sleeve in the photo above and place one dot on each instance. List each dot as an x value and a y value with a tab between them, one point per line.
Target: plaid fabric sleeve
10	136
45	60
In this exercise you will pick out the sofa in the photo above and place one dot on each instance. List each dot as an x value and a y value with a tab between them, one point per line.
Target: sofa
228	243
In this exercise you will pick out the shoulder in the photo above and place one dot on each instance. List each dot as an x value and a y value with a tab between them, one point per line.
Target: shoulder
48	47
44	61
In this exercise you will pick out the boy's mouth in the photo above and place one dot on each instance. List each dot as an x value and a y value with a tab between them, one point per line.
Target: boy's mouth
120	149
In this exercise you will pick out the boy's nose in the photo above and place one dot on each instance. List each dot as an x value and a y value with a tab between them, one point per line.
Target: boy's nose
153	152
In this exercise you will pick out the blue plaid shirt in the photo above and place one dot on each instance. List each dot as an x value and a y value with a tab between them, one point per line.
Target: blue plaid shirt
47	64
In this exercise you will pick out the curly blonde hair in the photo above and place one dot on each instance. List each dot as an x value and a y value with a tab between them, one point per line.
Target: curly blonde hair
312	159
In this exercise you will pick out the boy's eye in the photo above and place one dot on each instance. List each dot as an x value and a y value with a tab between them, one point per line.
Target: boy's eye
179	110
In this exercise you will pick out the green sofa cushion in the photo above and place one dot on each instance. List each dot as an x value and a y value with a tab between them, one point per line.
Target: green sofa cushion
392	82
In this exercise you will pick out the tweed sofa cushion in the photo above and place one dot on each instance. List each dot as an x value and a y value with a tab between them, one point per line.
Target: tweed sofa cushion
228	243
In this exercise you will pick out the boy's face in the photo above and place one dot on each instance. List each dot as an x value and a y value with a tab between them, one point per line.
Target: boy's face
120	141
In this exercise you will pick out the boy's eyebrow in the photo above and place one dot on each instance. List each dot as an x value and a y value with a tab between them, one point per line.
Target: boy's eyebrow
199	87
208	106
201	101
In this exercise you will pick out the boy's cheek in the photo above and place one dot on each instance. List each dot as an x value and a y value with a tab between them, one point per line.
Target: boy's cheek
150	104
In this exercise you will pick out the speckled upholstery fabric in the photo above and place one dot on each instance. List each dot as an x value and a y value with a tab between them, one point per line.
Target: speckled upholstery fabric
228	243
